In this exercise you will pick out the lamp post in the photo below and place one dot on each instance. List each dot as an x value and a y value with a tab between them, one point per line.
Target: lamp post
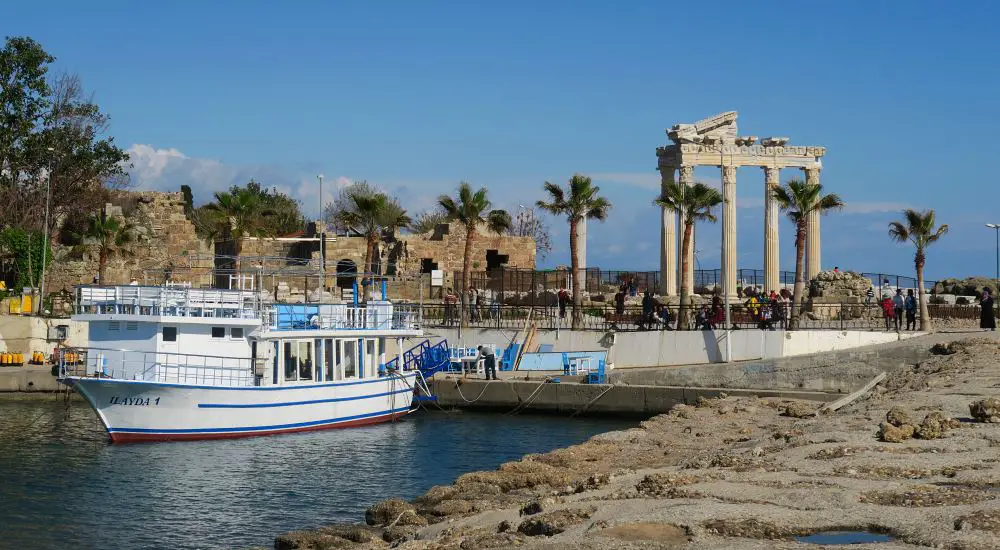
996	228
322	242
45	229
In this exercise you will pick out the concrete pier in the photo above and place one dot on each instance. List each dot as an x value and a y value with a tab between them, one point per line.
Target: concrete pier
29	378
566	397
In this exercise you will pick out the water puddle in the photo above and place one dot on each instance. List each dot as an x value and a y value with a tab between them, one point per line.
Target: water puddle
836	538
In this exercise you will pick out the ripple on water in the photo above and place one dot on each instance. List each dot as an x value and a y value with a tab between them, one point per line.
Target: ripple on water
62	484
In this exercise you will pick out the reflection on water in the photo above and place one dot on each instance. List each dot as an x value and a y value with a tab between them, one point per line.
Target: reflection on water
62	485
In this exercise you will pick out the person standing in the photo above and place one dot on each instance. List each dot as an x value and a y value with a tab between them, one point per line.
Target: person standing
887	312
450	301
473	304
910	305
563	298
648	306
489	358
620	302
987	318
870	295
897	308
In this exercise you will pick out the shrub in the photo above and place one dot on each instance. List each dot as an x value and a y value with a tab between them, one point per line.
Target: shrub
961	301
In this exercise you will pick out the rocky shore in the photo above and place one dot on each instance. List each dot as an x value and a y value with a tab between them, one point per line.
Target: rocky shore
917	459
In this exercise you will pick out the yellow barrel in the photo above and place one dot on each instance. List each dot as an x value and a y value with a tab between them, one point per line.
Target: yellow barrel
3	359
19	358
26	303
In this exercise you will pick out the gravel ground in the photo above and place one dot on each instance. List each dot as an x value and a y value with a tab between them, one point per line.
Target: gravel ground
740	473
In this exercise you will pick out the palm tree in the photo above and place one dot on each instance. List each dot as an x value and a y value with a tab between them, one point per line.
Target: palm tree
371	215
472	210
918	229
799	199
581	203
110	234
235	214
694	203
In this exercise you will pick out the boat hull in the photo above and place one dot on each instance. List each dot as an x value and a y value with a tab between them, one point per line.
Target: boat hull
134	411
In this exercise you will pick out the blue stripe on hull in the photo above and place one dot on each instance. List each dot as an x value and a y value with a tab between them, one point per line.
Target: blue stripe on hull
251	429
239	388
294	403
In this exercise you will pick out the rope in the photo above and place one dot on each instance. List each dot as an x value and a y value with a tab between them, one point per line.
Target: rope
459	388
592	401
526	402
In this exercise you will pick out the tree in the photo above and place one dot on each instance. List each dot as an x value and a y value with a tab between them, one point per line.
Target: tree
233	215
426	222
799	199
694	203
51	135
918	229
344	202
110	235
371	215
528	223
582	202
472	209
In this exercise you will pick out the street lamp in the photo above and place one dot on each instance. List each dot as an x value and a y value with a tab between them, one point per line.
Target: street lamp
996	228
322	242
45	229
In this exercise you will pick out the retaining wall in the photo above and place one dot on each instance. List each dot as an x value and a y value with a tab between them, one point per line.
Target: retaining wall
672	348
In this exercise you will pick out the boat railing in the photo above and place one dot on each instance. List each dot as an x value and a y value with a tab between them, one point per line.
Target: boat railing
167	301
374	316
163	367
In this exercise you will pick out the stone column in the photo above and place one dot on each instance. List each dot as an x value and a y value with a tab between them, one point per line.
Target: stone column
812	235
668	239
686	174
772	275
729	232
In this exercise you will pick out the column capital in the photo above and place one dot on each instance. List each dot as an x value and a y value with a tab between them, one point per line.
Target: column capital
686	172
772	175
729	174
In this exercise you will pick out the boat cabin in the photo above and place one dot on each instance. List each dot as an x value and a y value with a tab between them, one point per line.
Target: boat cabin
220	337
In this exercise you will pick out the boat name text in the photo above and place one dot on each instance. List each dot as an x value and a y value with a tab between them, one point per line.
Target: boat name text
133	401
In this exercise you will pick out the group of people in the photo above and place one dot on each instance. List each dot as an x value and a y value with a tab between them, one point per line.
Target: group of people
767	311
476	300
894	307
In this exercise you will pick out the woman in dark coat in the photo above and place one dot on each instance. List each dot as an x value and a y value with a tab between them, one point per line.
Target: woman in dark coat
987	318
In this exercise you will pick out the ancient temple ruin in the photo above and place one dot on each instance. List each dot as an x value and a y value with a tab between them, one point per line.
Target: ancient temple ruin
715	141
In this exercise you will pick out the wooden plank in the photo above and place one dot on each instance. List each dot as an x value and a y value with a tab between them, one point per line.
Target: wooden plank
844	401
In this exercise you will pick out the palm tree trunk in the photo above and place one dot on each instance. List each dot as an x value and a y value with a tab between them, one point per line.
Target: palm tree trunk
682	311
925	316
574	261
102	262
470	236
800	285
369	252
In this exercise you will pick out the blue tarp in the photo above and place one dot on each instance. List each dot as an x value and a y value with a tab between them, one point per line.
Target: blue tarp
295	315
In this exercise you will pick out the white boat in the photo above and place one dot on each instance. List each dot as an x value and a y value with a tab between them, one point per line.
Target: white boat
175	363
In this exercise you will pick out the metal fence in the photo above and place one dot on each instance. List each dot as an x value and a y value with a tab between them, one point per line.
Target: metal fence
846	316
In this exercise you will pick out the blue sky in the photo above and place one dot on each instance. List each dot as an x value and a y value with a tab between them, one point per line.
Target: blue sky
415	96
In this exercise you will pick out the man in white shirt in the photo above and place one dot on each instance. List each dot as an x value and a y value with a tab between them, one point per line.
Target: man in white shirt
489	358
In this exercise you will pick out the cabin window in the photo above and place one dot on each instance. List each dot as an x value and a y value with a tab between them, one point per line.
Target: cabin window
328	359
291	361
305	361
236	333
350	359
298	361
169	334
371	356
218	332
114	326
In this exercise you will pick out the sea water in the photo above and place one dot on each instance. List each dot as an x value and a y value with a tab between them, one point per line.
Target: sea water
62	485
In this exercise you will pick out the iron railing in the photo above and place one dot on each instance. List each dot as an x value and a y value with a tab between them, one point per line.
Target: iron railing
163	367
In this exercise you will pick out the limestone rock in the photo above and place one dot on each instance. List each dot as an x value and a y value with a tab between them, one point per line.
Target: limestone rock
334	536
986	410
393	511
935	424
893	434
798	409
554	523
897	417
